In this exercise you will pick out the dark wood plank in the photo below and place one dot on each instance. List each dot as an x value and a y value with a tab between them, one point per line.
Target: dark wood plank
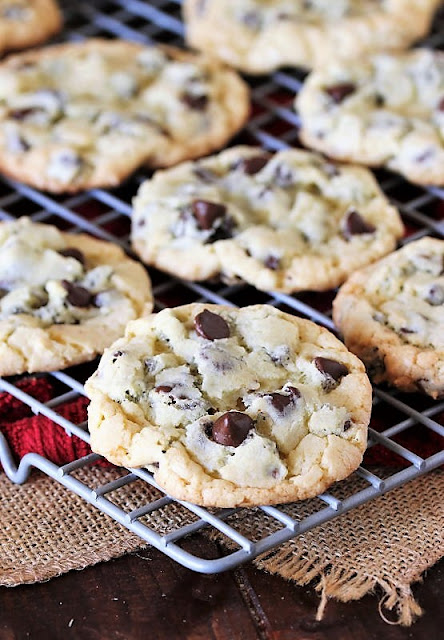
140	596
146	595
287	612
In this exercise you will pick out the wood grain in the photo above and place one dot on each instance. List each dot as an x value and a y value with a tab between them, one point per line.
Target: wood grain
148	596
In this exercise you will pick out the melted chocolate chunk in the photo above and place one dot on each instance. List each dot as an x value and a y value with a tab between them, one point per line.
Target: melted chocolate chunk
208	430
78	296
252	165
435	296
71	252
272	262
339	92
379	100
163	388
332	370
232	428
206	213
206	175
195	102
223	232
116	355
280	401
355	225
374	364
211	326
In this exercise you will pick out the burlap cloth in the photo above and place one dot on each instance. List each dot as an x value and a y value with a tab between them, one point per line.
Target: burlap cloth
387	543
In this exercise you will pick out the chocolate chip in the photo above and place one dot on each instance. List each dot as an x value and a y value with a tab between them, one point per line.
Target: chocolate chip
196	102
252	165
355	225
379	100
77	296
406	330
208	429
347	425
223	232
71	252
339	92
280	401
441	104
375	367
206	175
206	213
332	370
211	326
163	388
435	296
23	114
232	428
272	262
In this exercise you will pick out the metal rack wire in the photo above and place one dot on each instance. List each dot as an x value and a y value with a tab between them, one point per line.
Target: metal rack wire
105	214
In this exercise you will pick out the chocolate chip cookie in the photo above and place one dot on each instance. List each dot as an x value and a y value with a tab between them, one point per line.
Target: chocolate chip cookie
258	36
284	222
87	114
25	23
386	110
392	317
231	407
63	297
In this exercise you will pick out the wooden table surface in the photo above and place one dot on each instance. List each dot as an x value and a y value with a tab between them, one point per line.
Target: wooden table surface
148	596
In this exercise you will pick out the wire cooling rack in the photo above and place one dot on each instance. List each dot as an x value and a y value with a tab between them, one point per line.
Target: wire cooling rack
105	214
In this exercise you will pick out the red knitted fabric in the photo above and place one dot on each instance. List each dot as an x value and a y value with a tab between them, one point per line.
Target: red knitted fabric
28	433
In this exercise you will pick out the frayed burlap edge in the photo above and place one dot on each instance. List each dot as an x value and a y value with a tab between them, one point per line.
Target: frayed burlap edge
386	544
